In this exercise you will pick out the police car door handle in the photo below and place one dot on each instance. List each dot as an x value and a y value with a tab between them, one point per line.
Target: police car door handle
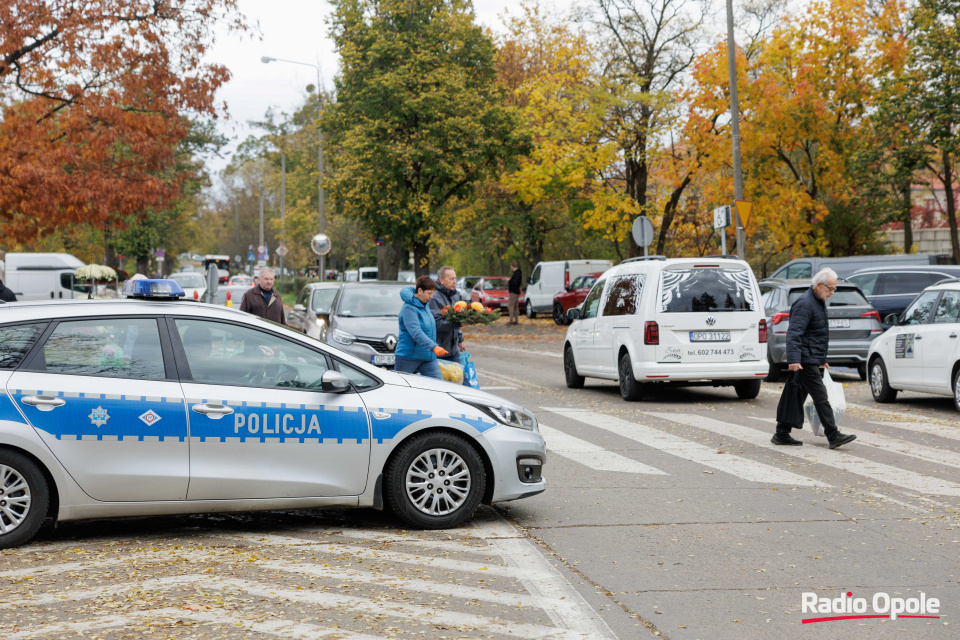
953	335
215	411
44	403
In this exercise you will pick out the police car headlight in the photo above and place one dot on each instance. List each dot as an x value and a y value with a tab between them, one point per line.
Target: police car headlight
512	416
343	337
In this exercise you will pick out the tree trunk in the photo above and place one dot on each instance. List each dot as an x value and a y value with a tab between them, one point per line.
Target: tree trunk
110	256
143	265
389	255
421	259
907	214
669	211
636	179
951	205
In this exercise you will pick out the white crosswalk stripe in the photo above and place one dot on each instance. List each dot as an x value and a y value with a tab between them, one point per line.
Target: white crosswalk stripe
928	428
675	445
590	455
838	459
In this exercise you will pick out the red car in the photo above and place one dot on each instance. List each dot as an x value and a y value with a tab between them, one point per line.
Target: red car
572	296
492	292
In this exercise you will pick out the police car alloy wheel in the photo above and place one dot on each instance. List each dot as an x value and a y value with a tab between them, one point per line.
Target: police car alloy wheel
574	379
24	499
435	481
879	387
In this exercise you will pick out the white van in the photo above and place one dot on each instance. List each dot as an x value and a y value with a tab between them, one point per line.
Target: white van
550	278
692	321
41	276
368	274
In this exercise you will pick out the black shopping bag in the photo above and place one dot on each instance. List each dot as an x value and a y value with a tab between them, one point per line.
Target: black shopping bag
790	409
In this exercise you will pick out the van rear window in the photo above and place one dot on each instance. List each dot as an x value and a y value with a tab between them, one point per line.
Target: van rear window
699	290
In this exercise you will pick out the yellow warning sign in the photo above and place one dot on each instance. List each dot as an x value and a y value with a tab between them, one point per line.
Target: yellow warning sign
743	210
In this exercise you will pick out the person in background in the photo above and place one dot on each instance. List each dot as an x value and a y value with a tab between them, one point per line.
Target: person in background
417	348
261	300
6	294
513	288
449	334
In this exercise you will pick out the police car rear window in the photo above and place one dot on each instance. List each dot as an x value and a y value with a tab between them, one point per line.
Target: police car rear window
117	348
15	341
713	290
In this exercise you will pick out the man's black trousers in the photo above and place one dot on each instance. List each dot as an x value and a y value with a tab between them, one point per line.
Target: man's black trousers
811	383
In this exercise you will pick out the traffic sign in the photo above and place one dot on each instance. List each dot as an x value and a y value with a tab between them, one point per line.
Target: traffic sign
238	259
251	257
282	251
743	209
643	231
261	248
721	217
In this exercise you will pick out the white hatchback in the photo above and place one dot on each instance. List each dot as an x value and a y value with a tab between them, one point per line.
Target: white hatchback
690	321
921	352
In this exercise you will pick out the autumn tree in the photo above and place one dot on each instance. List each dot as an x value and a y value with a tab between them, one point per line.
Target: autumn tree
419	117
92	95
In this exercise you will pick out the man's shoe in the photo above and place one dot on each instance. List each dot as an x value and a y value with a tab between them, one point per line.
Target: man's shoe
785	440
841	439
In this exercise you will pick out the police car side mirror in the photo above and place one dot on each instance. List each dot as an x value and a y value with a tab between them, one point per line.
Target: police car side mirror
334	382
574	314
892	319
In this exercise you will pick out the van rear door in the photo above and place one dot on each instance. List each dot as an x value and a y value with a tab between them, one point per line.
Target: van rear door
708	313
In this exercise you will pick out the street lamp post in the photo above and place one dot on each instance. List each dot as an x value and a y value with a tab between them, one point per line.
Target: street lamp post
735	131
320	194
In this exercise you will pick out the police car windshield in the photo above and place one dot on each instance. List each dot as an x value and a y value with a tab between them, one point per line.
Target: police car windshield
189	280
371	301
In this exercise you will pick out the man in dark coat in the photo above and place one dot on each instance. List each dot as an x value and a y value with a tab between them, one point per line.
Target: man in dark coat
807	339
449	334
514	289
6	294
261	300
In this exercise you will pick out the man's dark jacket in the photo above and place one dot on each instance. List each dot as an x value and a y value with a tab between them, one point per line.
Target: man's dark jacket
6	294
449	335
253	302
516	281
809	331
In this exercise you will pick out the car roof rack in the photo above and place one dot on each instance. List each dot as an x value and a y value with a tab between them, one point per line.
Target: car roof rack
641	258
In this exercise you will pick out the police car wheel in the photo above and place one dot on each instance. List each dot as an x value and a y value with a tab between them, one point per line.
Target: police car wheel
879	387
435	481
574	379
24	498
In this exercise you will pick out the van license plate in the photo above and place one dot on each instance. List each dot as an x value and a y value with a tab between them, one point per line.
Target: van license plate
709	336
383	359
839	323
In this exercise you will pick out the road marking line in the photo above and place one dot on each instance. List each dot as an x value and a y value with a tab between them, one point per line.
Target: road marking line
49	570
903	447
521	350
590	455
498	388
883	412
925	428
839	459
674	445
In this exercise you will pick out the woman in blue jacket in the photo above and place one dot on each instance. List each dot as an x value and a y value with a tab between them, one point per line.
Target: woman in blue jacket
417	348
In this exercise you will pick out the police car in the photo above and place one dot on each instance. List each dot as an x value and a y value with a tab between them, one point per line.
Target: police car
921	352
156	405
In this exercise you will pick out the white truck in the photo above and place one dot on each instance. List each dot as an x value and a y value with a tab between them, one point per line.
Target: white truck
41	276
550	278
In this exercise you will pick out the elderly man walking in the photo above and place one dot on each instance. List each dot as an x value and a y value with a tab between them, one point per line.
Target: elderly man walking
261	299
807	339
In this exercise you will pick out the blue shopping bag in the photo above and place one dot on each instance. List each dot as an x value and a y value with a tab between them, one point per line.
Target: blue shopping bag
469	370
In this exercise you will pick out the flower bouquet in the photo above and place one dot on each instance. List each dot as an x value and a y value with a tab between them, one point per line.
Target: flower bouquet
469	313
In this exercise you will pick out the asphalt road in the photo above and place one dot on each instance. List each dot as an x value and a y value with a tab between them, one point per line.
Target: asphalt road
673	516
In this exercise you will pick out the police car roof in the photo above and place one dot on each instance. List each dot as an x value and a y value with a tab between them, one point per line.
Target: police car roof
44	309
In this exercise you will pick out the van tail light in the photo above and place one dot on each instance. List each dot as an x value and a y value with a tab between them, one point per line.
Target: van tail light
871	314
651	333
779	317
196	294
763	331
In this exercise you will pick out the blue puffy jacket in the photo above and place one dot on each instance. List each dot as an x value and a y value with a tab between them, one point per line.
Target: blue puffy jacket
418	329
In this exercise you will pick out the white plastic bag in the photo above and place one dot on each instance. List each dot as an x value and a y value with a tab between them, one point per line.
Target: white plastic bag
838	402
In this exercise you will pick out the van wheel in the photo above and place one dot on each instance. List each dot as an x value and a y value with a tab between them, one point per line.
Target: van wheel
574	379
748	389
879	383
528	309
630	389
560	316
24	498
862	370
435	481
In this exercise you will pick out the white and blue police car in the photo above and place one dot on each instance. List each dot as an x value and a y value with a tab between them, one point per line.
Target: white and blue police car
155	405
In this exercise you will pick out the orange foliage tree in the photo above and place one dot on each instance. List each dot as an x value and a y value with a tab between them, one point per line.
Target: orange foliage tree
96	96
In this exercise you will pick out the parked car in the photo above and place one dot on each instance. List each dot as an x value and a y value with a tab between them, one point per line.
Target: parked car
467	283
684	321
242	279
368	274
364	321
921	352
492	292
550	278
890	289
807	267
232	293
193	284
854	323
572	296
314	300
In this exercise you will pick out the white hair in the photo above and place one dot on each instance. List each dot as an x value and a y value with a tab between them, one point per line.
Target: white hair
443	271
824	275
267	270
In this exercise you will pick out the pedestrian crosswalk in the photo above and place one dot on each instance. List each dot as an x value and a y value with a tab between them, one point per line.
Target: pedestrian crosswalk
886	458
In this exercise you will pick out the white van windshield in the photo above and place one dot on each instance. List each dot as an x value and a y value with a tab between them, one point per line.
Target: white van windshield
714	290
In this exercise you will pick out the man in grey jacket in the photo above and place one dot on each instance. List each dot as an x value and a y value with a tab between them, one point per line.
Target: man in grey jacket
807	339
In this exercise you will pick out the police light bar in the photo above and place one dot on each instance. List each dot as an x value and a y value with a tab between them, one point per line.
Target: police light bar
152	289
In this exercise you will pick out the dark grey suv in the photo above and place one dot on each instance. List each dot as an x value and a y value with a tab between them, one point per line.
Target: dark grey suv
854	323
890	289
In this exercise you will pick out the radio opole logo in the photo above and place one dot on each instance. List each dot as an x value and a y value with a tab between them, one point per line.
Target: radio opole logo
882	605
